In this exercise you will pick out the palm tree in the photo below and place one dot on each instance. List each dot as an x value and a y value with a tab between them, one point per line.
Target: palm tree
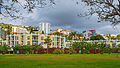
76	45
94	46
31	30
48	42
16	48
109	50
37	47
102	46
87	47
109	37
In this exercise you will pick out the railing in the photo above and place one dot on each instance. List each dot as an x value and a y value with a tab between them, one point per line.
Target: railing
93	40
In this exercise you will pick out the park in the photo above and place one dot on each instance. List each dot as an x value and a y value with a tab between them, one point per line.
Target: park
60	61
59	34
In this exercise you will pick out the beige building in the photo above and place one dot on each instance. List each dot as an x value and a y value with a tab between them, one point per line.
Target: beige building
65	32
35	39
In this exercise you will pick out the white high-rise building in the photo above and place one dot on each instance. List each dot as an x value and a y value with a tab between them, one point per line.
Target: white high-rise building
44	27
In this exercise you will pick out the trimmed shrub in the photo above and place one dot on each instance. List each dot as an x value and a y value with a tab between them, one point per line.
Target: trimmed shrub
71	51
57	51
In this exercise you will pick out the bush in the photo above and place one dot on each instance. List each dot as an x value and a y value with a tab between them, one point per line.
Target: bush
57	51
108	50
71	51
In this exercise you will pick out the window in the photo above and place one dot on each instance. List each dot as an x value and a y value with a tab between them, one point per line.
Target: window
35	43
17	38
28	42
42	38
61	40
108	45
52	43
42	43
55	44
17	42
35	38
113	45
28	37
53	38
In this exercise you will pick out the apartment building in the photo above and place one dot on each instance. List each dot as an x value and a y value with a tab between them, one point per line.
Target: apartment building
89	33
44	27
19	30
35	39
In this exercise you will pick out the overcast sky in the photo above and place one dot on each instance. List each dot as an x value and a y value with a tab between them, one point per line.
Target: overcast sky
64	15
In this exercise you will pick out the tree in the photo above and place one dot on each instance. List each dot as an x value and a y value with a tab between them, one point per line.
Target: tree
107	10
113	37
15	8
36	48
76	45
87	48
114	50
42	32
16	48
81	45
118	36
109	37
101	47
57	33
108	50
25	48
57	51
73	33
4	49
97	37
31	30
48	42
94	46
80	35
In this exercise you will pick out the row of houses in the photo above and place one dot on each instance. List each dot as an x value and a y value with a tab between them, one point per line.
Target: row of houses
22	36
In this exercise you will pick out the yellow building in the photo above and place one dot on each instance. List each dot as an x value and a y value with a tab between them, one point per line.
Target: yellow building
35	39
113	43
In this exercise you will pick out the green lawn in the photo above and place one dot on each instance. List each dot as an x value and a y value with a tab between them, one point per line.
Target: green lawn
60	61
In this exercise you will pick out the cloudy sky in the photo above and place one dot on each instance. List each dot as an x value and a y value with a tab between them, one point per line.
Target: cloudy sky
64	15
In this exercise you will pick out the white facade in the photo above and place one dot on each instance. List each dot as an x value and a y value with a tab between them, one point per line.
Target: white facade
44	27
59	30
19	30
66	32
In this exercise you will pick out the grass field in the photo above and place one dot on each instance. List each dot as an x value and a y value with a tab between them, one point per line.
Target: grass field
60	61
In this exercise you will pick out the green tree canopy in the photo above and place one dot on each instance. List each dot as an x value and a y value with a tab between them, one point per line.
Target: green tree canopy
97	37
